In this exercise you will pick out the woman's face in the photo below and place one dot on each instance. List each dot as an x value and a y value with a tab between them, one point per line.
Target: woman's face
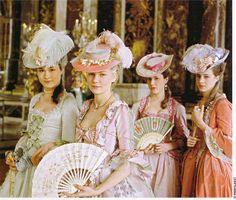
100	82
206	81
77	82
157	83
49	77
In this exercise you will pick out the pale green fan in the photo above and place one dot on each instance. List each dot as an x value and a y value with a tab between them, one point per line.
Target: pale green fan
150	130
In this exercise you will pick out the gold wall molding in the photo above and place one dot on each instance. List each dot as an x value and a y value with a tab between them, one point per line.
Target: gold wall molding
213	23
47	12
139	21
172	38
60	15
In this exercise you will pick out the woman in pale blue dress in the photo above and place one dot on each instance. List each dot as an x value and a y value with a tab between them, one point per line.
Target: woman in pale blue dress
52	112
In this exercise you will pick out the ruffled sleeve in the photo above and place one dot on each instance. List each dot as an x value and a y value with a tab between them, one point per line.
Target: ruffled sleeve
125	151
123	128
181	122
22	141
135	109
69	114
221	126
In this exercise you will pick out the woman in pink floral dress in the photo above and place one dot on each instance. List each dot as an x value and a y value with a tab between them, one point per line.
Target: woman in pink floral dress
104	121
165	158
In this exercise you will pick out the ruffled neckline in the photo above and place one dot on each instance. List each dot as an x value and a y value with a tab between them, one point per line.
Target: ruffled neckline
45	114
100	128
108	114
144	103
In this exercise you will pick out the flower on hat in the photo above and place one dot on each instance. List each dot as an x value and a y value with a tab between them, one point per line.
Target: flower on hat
104	52
202	63
198	58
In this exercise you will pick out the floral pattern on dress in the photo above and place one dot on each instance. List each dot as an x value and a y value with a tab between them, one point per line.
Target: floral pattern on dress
107	135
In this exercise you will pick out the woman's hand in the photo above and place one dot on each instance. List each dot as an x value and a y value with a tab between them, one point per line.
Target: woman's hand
150	149
83	191
162	148
197	117
191	142
10	160
38	155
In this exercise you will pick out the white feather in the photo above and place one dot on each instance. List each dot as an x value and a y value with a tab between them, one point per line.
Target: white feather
53	47
125	56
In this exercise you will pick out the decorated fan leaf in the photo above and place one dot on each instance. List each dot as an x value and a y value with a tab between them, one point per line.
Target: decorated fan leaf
150	130
65	166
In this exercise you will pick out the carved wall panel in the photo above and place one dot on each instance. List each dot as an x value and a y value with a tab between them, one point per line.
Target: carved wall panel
46	12
173	39
117	17
214	32
73	10
213	23
139	31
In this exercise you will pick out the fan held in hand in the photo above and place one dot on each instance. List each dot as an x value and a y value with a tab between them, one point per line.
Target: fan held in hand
65	166
150	130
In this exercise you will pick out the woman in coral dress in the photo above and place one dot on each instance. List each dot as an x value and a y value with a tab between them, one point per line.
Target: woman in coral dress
106	122
165	158
207	167
52	112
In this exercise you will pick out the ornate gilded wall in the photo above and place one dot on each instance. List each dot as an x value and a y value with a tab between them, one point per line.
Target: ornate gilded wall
213	22
47	12
171	35
73	10
139	21
172	38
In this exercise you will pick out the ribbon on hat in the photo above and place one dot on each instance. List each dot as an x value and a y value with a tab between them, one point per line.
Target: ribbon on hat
155	66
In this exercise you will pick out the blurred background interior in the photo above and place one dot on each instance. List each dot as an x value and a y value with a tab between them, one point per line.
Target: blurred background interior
167	26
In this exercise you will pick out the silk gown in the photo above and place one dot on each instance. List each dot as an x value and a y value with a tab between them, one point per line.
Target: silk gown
57	126
207	167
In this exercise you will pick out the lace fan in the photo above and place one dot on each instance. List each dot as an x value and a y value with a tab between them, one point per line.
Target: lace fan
150	130
65	166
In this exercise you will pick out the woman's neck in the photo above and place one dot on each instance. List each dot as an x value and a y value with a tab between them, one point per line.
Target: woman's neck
47	93
205	96
102	99
157	97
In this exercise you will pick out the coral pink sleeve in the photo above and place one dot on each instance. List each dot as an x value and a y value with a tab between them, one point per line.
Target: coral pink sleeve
222	131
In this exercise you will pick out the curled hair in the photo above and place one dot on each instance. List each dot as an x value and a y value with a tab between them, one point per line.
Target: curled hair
116	71
166	74
217	71
57	92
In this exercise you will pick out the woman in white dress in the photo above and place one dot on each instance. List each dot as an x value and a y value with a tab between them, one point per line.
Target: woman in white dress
52	112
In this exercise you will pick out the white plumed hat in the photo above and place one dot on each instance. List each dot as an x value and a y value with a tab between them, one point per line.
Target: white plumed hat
47	48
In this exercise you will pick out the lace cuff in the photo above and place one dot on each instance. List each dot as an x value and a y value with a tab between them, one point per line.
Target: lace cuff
213	147
139	166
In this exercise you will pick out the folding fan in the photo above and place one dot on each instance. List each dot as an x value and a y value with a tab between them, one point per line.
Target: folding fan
150	130
65	166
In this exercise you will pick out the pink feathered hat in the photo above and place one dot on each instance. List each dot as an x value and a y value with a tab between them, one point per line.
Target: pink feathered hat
105	52
153	64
